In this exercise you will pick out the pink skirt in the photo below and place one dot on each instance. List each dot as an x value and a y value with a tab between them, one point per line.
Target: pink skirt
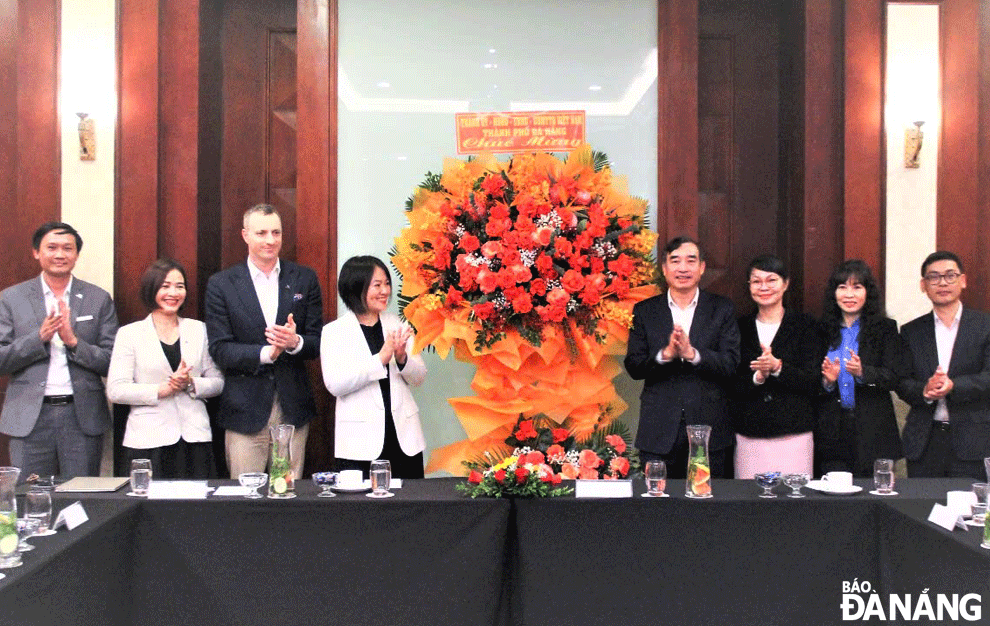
790	454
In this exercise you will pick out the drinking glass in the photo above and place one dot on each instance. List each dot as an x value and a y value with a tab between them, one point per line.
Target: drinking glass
883	476
768	480
140	477
325	481
655	475
9	541
795	482
986	536
253	480
38	505
980	510
26	527
381	478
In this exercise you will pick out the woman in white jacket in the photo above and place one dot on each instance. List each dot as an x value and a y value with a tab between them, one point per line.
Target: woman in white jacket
161	367
367	364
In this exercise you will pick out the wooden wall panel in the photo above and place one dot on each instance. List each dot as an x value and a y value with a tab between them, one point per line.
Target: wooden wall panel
961	215
865	165
210	143
822	146
137	186
316	199
178	140
30	152
979	293
39	154
677	114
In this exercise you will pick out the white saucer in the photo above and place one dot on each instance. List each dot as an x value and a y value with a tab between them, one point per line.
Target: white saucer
649	495
380	495
341	489
825	486
889	493
47	533
137	495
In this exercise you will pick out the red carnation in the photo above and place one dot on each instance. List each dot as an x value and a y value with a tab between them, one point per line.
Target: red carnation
538	287
484	310
562	248
543	235
590	296
617	442
544	264
526	431
493	185
522	303
619	465
533	458
558	297
556	452
623	266
560	434
497	227
572	281
499	211
620	287
491	249
521	475
597	265
475	477
469	243
454	297
487	280
500	476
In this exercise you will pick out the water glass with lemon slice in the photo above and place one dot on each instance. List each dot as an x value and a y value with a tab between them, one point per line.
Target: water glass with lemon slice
9	540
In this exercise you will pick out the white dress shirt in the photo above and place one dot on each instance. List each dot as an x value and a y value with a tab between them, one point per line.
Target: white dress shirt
683	318
266	288
945	338
59	382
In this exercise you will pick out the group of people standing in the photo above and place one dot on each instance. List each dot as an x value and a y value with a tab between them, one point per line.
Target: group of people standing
780	390
263	321
783	391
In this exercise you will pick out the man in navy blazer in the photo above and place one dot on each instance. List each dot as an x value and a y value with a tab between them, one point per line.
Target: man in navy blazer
947	432
684	345
263	320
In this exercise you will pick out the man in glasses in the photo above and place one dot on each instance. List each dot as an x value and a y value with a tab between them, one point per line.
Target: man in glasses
948	427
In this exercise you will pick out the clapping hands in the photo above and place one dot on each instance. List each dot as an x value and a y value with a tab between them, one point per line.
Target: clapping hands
679	346
178	381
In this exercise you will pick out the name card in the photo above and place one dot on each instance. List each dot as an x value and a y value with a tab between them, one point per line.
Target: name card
71	516
603	489
946	517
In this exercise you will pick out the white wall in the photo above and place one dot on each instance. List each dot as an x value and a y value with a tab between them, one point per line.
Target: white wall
88	84
912	94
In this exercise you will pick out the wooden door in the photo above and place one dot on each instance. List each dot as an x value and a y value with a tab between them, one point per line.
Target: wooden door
739	213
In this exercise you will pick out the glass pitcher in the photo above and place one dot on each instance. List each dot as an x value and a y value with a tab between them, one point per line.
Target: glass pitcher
281	482
699	477
9	557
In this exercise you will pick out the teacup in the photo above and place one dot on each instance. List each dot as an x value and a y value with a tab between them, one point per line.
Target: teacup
350	479
842	479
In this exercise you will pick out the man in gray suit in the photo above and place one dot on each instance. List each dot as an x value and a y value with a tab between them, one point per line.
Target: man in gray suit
56	335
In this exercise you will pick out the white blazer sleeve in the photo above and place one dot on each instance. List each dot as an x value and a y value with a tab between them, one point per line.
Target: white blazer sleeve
346	365
210	381
121	385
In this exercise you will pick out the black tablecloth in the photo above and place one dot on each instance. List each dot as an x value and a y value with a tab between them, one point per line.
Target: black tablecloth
431	556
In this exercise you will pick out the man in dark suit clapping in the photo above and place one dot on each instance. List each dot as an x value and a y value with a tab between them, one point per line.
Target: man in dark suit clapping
684	345
264	318
947	432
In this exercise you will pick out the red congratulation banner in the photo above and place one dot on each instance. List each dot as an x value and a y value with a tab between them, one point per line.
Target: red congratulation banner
522	131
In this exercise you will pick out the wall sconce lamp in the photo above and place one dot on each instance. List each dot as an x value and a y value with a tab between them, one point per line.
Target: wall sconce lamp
913	138
87	137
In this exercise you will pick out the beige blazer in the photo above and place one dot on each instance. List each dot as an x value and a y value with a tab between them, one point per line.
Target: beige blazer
351	373
138	365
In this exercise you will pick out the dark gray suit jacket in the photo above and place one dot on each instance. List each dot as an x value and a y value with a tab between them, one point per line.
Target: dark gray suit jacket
700	391
25	357
969	401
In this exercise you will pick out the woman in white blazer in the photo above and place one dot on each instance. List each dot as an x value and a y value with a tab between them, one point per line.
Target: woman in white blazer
161	367
368	365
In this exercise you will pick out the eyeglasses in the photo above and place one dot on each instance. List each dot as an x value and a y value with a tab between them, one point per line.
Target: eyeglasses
935	278
770	282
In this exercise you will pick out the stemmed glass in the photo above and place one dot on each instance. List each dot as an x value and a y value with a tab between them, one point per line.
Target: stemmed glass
26	527
381	479
655	475
253	480
325	481
795	482
768	480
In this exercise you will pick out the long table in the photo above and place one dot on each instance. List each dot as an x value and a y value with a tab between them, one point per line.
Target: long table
431	556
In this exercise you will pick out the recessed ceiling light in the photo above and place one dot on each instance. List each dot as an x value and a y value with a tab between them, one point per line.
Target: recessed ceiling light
595	88
489	66
384	84
402	158
491	51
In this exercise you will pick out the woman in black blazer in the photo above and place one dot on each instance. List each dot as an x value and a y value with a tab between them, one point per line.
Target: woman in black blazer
777	380
863	364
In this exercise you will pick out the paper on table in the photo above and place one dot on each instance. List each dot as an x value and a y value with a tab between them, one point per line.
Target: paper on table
946	517
232	490
178	490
